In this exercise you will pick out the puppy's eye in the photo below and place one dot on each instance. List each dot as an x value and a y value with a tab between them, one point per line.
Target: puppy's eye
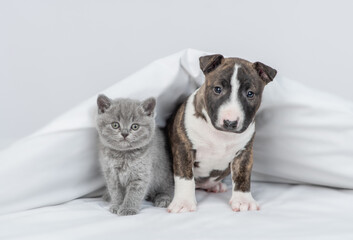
217	90
135	126
115	125
250	94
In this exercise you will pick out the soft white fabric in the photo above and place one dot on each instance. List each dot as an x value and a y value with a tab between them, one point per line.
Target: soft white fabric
303	136
287	212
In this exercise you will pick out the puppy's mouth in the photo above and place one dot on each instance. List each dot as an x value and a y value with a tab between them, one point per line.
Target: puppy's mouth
229	130
229	127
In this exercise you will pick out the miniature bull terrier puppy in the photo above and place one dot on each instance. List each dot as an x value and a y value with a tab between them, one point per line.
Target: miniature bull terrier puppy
212	133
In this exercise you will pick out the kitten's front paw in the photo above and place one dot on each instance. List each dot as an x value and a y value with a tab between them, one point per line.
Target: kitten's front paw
114	209
182	205
127	211
241	201
162	201
106	197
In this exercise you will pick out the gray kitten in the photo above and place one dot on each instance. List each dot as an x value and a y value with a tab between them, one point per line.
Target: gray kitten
133	155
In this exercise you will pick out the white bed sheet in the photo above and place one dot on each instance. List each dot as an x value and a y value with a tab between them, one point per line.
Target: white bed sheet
287	212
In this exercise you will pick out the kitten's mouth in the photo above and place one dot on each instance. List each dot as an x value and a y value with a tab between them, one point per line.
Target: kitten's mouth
126	145
125	142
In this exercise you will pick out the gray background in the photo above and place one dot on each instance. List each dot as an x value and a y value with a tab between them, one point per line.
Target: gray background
54	54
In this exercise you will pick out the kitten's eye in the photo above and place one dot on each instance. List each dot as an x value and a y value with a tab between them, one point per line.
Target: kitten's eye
115	125
135	126
217	90
250	94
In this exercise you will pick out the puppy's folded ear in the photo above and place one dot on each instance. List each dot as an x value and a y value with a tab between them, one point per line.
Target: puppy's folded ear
103	103
148	106
210	62
266	73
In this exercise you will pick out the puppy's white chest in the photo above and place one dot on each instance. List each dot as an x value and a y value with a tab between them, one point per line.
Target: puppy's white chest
215	149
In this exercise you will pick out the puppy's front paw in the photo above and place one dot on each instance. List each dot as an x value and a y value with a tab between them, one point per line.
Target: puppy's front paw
182	205
114	209
127	211
242	201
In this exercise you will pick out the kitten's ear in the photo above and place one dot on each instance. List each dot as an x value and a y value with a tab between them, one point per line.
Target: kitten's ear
103	103
148	106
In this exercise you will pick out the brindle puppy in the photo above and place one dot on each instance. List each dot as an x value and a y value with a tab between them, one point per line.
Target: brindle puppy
212	133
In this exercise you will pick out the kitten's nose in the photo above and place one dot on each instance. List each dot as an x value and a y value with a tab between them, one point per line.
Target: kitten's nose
124	135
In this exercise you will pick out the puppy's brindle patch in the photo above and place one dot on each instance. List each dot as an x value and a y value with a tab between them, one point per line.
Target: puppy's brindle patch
241	168
183	154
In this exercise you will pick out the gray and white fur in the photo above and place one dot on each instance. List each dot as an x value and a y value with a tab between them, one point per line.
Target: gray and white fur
133	154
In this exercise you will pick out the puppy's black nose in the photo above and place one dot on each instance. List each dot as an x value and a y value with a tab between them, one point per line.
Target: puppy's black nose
230	125
124	135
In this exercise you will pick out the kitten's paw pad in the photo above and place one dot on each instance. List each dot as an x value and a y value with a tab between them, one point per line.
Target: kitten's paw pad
180	206
127	211
114	209
219	188
243	202
162	202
